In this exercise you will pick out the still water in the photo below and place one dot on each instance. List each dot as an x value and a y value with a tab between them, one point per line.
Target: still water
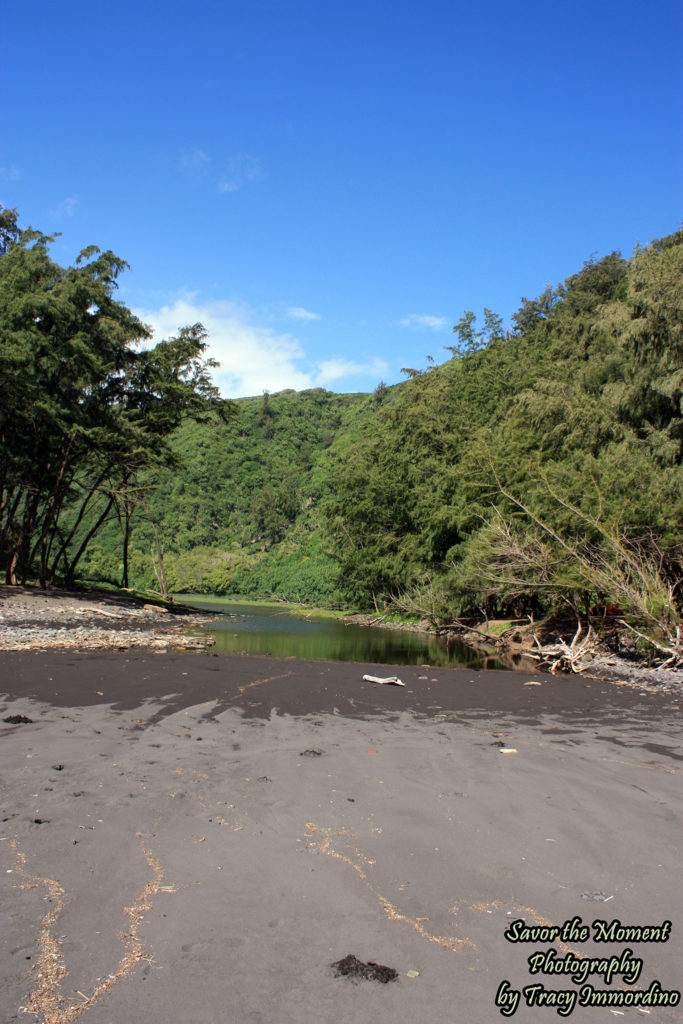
272	630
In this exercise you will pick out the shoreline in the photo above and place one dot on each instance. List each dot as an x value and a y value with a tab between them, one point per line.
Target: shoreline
205	836
92	619
96	619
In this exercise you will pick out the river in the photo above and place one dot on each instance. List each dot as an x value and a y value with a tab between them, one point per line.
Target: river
268	629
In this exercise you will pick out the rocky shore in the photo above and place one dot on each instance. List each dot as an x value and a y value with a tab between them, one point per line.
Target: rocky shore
605	652
56	619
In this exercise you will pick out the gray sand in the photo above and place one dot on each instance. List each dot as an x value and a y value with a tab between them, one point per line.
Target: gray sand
192	867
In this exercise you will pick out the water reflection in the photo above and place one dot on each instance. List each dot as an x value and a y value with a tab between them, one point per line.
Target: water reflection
272	630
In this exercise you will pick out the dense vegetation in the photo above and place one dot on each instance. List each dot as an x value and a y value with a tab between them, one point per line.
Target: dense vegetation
244	513
84	417
539	468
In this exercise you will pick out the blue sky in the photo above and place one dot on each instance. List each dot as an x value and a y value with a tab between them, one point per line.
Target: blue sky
327	186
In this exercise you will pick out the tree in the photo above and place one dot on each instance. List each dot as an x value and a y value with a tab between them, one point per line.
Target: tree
82	413
9	229
578	414
648	327
471	340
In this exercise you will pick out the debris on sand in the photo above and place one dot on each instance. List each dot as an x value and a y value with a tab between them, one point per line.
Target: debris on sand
56	619
392	680
18	720
351	967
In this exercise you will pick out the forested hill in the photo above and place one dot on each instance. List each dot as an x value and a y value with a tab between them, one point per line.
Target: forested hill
243	511
538	468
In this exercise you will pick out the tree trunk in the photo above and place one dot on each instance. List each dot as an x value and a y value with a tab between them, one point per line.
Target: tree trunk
11	576
158	566
23	552
71	571
62	553
127	512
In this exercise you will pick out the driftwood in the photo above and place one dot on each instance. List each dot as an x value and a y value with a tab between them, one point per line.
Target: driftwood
465	631
674	651
566	657
107	612
393	680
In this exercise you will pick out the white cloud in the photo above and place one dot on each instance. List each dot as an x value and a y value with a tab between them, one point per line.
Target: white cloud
299	313
435	323
239	170
227	175
331	370
66	207
252	358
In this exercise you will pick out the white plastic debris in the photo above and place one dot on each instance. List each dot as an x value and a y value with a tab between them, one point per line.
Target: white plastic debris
393	680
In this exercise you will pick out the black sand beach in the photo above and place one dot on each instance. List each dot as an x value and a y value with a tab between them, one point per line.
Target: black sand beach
196	838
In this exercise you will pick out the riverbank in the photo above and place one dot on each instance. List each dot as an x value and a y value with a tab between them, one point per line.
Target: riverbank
597	647
205	836
601	649
93	619
97	619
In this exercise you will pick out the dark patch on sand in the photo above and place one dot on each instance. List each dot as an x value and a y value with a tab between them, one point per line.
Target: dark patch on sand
351	967
175	682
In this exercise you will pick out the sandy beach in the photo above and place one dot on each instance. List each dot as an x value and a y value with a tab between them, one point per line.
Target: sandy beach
188	837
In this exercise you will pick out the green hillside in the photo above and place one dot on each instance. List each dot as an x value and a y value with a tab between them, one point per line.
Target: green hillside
538	470
243	512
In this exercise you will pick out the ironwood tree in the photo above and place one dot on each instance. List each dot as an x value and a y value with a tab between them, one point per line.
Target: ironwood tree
84	413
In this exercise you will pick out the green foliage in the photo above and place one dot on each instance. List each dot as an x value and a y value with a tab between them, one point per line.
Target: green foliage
9	230
536	469
82	413
241	514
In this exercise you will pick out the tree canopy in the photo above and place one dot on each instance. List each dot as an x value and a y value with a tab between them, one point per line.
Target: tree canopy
82	411
538	468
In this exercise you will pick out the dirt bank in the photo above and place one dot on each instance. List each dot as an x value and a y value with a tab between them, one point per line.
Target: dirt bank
55	619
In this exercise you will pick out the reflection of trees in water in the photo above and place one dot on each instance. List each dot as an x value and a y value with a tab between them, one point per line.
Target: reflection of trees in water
289	636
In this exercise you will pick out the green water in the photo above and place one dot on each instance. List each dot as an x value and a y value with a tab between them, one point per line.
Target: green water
272	630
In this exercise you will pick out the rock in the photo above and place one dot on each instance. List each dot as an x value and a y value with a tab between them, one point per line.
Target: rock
351	967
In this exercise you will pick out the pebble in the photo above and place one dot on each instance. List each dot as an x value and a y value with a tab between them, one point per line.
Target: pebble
58	621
